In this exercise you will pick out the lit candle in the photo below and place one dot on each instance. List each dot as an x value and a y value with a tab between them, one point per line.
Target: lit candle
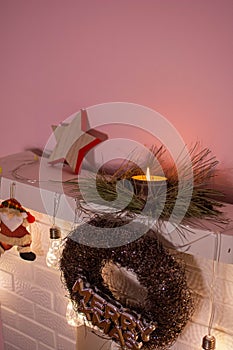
142	182
148	177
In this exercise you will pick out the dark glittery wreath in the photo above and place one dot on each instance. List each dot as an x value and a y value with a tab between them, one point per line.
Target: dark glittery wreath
169	301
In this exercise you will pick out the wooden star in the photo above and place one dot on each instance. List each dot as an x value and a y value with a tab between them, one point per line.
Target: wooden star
74	141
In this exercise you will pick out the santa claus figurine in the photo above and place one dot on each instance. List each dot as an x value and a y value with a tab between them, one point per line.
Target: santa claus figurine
13	232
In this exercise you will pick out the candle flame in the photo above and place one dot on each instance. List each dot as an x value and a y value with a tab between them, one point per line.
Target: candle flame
148	174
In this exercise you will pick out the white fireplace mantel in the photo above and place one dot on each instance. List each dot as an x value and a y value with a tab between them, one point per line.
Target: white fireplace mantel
39	182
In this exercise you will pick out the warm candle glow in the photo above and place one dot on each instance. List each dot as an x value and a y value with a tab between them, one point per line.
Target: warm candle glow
148	177
148	174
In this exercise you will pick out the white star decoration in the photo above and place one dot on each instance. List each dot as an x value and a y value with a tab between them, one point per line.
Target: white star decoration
74	140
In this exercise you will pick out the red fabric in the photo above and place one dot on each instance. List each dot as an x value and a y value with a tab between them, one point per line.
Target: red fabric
30	218
5	246
21	231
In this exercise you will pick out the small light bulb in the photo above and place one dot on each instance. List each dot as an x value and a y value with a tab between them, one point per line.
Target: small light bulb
74	318
54	252
208	342
71	316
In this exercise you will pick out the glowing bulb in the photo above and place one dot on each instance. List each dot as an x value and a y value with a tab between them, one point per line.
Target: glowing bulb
148	174
71	316
75	319
54	252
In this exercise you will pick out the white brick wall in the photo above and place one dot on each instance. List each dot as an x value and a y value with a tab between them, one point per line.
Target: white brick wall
199	274
33	302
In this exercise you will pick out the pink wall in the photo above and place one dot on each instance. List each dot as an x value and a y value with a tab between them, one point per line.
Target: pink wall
174	56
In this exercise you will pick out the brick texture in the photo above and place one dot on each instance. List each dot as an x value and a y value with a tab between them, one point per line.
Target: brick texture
33	304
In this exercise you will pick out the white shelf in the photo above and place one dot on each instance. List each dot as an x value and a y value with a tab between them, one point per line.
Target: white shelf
39	196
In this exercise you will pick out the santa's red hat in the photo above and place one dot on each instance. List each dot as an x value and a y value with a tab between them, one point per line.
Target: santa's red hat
12	203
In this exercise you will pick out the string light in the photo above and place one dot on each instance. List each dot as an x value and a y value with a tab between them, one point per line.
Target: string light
209	341
19	177
54	251
74	318
71	316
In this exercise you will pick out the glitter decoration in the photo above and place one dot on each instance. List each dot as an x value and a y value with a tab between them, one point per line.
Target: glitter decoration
169	303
